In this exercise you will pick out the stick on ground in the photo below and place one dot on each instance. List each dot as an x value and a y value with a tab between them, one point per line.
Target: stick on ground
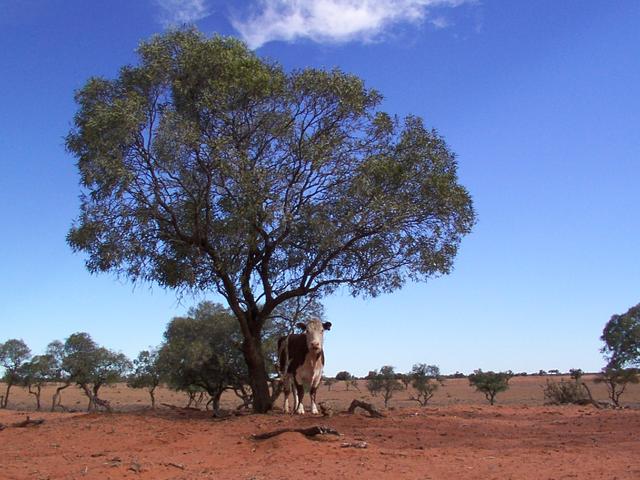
308	432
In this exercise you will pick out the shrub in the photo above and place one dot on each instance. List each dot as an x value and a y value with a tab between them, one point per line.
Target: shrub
564	392
384	382
490	383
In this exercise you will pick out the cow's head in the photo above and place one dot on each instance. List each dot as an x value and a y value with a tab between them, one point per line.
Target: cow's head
314	330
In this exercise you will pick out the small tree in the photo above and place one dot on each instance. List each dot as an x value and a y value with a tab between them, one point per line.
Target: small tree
345	377
146	373
36	373
353	383
616	380
384	382
202	352
405	378
329	382
56	352
490	383
425	379
91	367
576	373
13	354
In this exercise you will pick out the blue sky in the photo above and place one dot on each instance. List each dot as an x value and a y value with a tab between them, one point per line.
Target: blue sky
540	101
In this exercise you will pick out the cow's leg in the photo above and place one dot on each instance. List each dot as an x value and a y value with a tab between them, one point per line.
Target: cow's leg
286	387
300	390
312	394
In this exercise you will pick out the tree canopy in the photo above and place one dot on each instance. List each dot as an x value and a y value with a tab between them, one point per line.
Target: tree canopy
13	354
621	336
203	351
206	167
490	383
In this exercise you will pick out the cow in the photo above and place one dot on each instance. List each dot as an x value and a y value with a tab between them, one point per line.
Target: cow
300	361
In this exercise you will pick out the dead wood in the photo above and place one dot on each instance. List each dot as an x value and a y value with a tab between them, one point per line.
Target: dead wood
27	423
182	409
308	432
365	406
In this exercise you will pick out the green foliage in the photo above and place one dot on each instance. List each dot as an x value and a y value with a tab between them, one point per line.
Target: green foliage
203	351
205	167
384	382
565	392
343	376
490	383
329	382
90	366
616	380
13	354
426	380
576	373
621	336
146	373
36	373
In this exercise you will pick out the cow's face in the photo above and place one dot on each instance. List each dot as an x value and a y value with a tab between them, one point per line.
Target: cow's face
314	329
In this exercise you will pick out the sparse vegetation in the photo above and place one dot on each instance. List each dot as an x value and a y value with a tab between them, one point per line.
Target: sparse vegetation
385	382
202	352
490	383
616	380
91	367
329	382
426	380
146	373
13	354
565	392
36	373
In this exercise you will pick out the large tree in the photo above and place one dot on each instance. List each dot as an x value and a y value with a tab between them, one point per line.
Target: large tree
205	167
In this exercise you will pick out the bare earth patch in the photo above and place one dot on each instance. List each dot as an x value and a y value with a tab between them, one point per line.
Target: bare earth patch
458	437
452	442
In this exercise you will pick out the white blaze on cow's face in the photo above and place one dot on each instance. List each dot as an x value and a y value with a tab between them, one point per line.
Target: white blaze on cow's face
314	330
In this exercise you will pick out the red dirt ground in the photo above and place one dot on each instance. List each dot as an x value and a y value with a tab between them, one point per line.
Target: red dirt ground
456	440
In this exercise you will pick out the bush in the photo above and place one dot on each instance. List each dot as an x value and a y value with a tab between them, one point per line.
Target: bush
564	392
343	376
490	383
384	382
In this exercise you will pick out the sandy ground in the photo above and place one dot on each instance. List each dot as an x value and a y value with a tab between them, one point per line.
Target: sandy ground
459	436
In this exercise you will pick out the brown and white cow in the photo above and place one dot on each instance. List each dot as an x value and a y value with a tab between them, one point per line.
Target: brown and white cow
300	361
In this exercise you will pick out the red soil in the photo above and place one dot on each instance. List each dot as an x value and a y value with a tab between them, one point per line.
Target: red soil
451	441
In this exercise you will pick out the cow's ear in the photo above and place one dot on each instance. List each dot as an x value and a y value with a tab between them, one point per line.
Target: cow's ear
301	326
327	325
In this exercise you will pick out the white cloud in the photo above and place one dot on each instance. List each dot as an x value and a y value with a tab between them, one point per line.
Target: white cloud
180	12
333	20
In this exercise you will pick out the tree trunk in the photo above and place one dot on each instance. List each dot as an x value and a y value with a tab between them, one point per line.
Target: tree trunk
56	396
6	395
90	396
153	397
36	394
252	350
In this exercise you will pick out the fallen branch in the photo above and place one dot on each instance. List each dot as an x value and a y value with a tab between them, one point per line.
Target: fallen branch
183	409
308	432
365	406
25	423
